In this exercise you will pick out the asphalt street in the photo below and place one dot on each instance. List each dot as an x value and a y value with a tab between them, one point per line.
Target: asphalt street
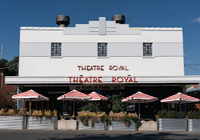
95	135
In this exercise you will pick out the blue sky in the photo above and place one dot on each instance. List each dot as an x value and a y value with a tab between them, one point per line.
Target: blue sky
139	13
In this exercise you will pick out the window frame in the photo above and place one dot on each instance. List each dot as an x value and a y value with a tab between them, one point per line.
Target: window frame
106	50
152	50
61	53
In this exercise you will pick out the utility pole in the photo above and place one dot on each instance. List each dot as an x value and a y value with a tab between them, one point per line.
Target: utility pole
1	51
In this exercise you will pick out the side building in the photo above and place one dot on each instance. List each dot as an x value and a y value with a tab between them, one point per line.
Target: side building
6	91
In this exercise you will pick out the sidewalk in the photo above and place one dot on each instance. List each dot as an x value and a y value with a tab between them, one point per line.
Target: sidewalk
95	135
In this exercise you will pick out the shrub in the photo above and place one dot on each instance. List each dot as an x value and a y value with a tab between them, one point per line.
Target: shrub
22	112
54	113
162	114
193	115
170	114
2	112
198	114
47	113
10	112
37	113
124	117
180	115
92	116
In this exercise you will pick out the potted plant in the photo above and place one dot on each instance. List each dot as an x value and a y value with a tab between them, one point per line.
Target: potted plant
91	120
43	120
171	121
123	121
12	119
193	121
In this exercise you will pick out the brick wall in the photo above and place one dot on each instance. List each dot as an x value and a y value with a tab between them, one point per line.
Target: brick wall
5	97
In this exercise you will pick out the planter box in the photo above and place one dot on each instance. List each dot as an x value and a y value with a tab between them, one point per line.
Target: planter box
194	125
118	125
12	122
97	126
172	124
67	124
148	126
42	123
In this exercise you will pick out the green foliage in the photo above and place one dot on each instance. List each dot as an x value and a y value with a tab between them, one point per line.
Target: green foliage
171	114
91	107
125	117
16	111
198	114
117	105
126	120
162	114
3	61
177	115
193	115
12	65
136	120
102	118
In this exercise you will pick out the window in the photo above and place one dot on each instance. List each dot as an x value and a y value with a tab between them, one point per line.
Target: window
102	49
55	49
147	49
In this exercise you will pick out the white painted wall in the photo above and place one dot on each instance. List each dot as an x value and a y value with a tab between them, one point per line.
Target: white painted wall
167	60
67	66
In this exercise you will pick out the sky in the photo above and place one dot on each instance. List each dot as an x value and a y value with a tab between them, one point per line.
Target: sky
138	13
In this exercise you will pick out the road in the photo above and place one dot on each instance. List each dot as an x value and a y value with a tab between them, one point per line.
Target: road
95	135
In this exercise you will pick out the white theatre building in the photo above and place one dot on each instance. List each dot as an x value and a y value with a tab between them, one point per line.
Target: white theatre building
108	57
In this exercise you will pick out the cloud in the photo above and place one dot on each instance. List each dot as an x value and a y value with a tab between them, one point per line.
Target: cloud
196	20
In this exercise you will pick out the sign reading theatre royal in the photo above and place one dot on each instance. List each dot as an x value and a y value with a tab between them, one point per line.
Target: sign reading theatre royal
101	68
94	79
98	79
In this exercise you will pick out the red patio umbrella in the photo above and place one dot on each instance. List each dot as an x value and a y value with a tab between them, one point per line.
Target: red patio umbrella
180	98
140	97
97	97
74	95
30	95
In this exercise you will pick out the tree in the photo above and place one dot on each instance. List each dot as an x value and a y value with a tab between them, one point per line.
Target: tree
91	107
3	61
117	105
12	67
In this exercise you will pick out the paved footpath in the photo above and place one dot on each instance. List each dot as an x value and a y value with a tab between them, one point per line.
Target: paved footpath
95	135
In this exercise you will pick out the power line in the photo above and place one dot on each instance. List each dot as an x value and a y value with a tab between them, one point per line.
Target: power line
192	64
9	66
192	68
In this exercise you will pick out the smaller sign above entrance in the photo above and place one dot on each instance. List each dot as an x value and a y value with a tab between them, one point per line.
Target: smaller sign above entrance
56	92
97	87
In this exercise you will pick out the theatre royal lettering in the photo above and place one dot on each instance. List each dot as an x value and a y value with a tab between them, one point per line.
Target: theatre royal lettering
102	68
100	79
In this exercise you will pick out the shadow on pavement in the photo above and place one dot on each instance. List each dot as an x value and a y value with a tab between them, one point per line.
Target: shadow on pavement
135	136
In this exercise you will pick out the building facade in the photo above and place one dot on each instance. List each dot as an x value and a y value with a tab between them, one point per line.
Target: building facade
104	56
